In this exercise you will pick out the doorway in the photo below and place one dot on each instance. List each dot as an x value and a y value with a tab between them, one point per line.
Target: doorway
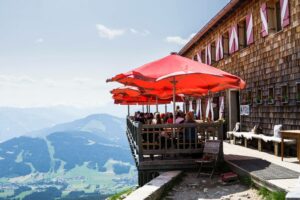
234	108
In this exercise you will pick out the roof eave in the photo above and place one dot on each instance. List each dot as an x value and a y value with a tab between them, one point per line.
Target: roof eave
209	25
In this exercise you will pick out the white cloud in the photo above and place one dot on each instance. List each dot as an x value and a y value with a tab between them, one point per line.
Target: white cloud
134	31
15	80
39	40
138	32
108	33
179	40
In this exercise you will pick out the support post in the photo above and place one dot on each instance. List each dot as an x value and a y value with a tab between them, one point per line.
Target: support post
174	99
156	104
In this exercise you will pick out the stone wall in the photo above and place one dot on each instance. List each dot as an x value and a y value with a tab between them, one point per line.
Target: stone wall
270	62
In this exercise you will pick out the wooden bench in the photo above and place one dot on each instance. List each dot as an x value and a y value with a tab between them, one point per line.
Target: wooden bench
260	139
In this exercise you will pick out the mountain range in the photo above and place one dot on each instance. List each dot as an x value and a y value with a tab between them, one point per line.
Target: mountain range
16	122
84	158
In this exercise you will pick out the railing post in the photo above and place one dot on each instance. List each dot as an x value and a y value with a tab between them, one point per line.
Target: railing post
220	137
139	141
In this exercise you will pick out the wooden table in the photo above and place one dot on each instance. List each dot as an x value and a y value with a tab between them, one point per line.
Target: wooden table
290	134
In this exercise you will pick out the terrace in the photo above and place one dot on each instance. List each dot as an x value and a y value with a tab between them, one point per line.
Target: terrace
164	147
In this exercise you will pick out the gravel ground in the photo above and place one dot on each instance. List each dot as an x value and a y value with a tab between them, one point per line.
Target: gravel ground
191	187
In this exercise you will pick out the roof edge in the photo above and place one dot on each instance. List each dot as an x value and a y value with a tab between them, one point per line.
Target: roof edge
210	24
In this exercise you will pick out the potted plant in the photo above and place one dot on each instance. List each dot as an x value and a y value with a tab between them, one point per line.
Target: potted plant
270	100
258	100
285	99
298	97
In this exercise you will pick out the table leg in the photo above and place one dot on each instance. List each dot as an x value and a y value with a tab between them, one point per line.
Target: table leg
282	148
259	145
298	148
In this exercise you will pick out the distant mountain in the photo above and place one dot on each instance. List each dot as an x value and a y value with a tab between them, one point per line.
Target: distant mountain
16	122
88	157
107	126
23	156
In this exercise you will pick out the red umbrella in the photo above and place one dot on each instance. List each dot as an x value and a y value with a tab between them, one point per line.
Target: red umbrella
130	91
180	74
158	75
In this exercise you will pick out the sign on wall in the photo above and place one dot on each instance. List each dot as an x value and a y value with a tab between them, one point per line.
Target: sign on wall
244	110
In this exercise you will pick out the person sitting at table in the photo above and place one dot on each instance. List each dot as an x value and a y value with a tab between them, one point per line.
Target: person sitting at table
179	118
165	118
162	116
170	118
190	132
141	118
178	110
157	119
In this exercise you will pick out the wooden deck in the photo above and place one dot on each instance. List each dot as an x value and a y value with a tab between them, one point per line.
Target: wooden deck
162	147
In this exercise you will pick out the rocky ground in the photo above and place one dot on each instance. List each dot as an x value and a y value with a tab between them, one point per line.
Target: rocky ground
190	187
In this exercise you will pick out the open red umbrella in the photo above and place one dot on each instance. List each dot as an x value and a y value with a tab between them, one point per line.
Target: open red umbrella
179	74
158	75
130	91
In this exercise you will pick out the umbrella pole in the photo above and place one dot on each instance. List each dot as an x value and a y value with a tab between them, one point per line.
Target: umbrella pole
128	110
156	104
174	91
166	108
143	108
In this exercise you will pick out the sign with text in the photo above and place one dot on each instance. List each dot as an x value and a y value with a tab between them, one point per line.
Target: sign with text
244	110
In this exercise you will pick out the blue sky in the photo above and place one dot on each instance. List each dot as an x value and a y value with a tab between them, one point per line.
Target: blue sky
61	52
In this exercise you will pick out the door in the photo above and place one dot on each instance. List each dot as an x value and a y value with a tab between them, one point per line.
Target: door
234	108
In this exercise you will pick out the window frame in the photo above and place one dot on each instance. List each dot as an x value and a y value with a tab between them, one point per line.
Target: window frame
274	16
213	52
284	93
271	95
259	96
225	40
244	22
298	92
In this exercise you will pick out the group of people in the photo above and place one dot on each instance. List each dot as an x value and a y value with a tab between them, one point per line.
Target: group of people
165	118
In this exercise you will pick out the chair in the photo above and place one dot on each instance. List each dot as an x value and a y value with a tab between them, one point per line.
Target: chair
210	156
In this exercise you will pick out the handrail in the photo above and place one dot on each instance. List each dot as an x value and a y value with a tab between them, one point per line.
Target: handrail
169	139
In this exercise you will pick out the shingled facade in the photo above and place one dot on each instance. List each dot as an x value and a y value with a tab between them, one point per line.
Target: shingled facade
259	41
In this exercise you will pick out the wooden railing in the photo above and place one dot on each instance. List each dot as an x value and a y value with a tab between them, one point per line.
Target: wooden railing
149	142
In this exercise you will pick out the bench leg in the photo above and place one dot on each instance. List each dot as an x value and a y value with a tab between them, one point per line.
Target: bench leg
234	140
276	148
246	142
259	145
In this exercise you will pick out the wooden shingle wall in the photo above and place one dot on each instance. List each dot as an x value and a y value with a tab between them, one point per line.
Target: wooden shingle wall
270	62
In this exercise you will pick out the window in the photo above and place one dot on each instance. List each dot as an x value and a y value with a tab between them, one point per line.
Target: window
213	52
203	55
271	95
225	44
195	58
249	97
284	94
298	92
258	99
242	34
274	16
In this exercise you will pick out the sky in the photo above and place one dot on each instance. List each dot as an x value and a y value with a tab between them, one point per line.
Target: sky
55	52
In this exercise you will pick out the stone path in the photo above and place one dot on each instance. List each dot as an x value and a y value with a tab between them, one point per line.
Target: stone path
191	187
